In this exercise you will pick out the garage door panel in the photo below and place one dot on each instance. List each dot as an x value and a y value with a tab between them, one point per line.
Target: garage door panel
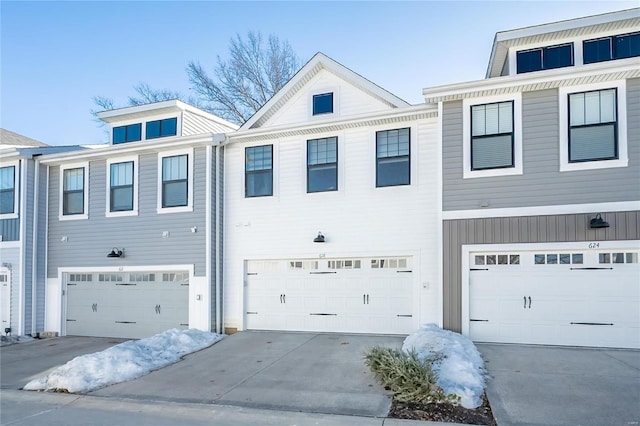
588	301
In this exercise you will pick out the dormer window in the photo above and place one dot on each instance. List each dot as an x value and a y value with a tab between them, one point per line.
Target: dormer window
130	133
323	103
161	128
545	58
613	47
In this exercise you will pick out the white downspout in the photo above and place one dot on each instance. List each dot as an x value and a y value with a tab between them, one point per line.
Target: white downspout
23	229
34	254
217	239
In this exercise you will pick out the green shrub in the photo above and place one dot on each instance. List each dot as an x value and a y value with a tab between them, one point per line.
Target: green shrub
404	374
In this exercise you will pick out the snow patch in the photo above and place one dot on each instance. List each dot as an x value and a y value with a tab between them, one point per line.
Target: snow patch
459	366
126	361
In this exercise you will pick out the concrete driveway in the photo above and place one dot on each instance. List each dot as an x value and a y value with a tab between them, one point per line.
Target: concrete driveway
22	362
543	385
311	372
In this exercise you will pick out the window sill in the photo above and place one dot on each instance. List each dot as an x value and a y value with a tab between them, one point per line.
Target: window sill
74	217
168	210
511	171
9	216
593	165
121	214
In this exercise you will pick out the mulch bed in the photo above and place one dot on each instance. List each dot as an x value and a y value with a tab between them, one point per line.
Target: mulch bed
448	413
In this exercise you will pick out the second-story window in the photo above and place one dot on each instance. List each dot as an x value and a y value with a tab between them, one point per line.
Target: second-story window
121	186
492	142
161	128
130	133
545	58
7	189
612	47
175	178
322	165
73	191
593	126
393	163
259	171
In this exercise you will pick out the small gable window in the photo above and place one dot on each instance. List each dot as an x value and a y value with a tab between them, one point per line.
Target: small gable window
130	133
545	58
161	128
323	103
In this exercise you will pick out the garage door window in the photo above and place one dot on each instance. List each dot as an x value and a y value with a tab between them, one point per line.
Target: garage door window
558	259
80	277
497	259
344	264
391	263
303	264
618	258
111	277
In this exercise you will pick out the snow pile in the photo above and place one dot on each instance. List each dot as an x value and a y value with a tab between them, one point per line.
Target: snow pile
11	340
459	367
123	362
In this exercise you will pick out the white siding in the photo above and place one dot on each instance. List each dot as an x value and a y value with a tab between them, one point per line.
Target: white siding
11	261
357	220
348	101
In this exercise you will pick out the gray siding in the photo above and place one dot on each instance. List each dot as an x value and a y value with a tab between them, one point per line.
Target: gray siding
10	229
41	251
89	241
27	217
527	229
541	183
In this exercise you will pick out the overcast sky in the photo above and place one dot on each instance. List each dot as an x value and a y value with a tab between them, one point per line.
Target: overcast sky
55	56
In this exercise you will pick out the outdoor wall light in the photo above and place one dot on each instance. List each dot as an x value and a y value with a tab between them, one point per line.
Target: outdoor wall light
116	252
598	222
319	238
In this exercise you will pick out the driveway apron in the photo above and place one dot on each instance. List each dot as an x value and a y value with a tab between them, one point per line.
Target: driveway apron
541	385
322	373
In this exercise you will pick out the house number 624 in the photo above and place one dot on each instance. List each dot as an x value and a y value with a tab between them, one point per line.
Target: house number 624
594	245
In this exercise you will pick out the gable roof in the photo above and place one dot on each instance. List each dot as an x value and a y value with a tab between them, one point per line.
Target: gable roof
319	62
12	139
623	20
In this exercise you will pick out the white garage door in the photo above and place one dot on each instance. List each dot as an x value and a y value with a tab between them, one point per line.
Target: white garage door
358	295
569	297
126	304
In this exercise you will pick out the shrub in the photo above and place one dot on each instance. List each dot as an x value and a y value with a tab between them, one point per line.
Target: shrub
404	374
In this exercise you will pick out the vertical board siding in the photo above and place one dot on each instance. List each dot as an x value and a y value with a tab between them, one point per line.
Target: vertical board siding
89	241
542	183
513	230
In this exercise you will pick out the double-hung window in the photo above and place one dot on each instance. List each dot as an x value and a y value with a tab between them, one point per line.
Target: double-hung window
161	128
593	132
322	164
393	157
258	171
7	190
130	133
175	181
74	201
492	136
121	191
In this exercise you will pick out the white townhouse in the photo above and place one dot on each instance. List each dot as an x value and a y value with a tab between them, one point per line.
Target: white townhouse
331	209
132	231
541	187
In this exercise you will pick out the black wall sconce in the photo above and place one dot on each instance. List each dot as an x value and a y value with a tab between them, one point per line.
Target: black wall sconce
116	252
598	222
319	238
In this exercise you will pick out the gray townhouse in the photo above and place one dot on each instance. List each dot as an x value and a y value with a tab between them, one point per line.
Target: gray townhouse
541	187
133	227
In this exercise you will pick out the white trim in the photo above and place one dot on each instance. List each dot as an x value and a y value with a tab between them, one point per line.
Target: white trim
190	172
207	225
85	184
563	111
17	188
517	136
467	249
136	173
9	244
34	245
322	90
621	206
439	216
23	232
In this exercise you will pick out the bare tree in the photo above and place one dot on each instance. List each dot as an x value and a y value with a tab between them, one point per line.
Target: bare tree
243	83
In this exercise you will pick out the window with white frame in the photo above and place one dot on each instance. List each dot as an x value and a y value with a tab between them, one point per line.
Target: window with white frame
322	164
74	203
393	157
175	181
593	126
8	193
122	191
258	171
492	136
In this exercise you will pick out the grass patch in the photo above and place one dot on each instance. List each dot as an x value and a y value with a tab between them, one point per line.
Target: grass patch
410	379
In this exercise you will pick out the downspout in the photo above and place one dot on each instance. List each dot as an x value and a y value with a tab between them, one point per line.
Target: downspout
23	231
34	248
207	227
218	140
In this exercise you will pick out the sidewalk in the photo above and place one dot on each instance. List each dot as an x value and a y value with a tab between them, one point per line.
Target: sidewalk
22	408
